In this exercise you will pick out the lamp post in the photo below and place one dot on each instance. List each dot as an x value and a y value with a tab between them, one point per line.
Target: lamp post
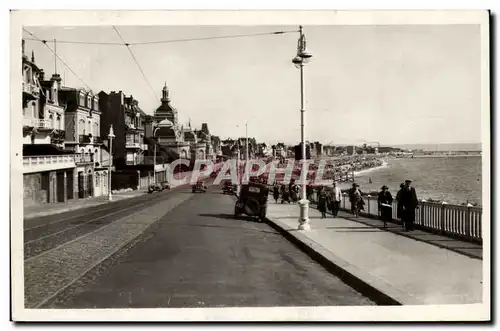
299	61
111	135
246	150
154	156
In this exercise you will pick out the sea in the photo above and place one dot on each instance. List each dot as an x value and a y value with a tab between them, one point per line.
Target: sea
456	179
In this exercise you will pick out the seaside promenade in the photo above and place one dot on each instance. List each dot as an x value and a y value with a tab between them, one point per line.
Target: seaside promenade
386	265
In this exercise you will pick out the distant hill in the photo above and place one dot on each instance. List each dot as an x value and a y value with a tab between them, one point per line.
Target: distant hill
443	147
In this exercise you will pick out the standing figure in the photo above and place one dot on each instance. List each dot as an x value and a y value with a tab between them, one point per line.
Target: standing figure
409	201
385	205
322	202
399	211
356	198
285	194
276	192
336	198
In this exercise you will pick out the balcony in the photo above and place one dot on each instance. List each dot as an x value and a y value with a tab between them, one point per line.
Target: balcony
130	144
31	90
97	140
84	139
84	158
48	163
39	123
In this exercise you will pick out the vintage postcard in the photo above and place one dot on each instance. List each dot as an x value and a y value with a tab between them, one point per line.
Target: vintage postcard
250	165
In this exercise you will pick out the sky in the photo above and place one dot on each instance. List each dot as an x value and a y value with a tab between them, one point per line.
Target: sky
414	84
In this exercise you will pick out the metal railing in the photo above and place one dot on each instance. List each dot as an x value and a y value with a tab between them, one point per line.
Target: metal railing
48	159
84	158
30	88
462	222
84	139
38	123
131	144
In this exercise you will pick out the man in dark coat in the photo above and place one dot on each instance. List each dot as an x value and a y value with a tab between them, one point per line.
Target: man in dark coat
409	202
399	214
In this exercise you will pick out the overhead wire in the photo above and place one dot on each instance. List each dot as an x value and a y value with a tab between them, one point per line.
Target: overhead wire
137	63
59	58
166	41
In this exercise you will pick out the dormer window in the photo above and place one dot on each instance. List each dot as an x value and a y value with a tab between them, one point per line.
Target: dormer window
82	100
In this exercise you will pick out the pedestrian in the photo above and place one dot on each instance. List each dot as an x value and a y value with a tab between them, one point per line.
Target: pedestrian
276	192
336	198
356	198
285	194
322	202
409	201
399	210
385	205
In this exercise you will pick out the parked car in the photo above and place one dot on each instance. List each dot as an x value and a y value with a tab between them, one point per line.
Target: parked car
158	187
252	200
165	185
199	187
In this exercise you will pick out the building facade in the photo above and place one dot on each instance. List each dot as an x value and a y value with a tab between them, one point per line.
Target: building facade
83	138
186	142
49	171
128	122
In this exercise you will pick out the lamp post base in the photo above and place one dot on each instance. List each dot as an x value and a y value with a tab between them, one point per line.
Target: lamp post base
304	215
110	197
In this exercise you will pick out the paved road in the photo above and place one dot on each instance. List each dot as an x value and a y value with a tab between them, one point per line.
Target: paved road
178	249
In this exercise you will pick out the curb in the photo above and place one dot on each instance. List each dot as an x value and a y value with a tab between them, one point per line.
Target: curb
376	290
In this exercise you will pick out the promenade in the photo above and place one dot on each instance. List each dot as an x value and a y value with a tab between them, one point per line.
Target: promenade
388	267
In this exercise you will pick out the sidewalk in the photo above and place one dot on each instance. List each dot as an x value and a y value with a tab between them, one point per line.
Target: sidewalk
56	208
388	267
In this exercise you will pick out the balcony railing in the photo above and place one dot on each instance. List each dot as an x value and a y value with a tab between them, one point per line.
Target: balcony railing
39	123
97	140
84	139
84	158
48	162
130	144
31	89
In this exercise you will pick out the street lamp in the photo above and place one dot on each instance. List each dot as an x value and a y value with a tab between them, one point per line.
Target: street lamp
246	150
154	156
299	61
111	135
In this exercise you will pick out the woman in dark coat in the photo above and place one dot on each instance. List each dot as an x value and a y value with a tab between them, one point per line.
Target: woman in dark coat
322	202
385	205
399	211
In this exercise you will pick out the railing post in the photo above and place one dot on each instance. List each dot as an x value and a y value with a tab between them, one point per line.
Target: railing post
368	203
467	221
422	204
443	206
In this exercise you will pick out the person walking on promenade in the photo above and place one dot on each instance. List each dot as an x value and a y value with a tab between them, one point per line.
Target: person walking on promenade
356	198
409	201
322	201
385	205
336	198
399	210
285	194
276	192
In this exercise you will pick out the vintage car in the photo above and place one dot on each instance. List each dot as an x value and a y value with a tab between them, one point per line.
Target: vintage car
199	187
158	187
252	200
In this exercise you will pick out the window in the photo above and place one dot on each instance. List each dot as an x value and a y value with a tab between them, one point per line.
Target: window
81	126
58	123
82	100
96	104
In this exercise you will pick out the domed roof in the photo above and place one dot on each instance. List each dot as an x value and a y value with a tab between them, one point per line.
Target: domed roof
165	123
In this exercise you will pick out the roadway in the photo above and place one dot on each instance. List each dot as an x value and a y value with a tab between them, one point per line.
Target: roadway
170	249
